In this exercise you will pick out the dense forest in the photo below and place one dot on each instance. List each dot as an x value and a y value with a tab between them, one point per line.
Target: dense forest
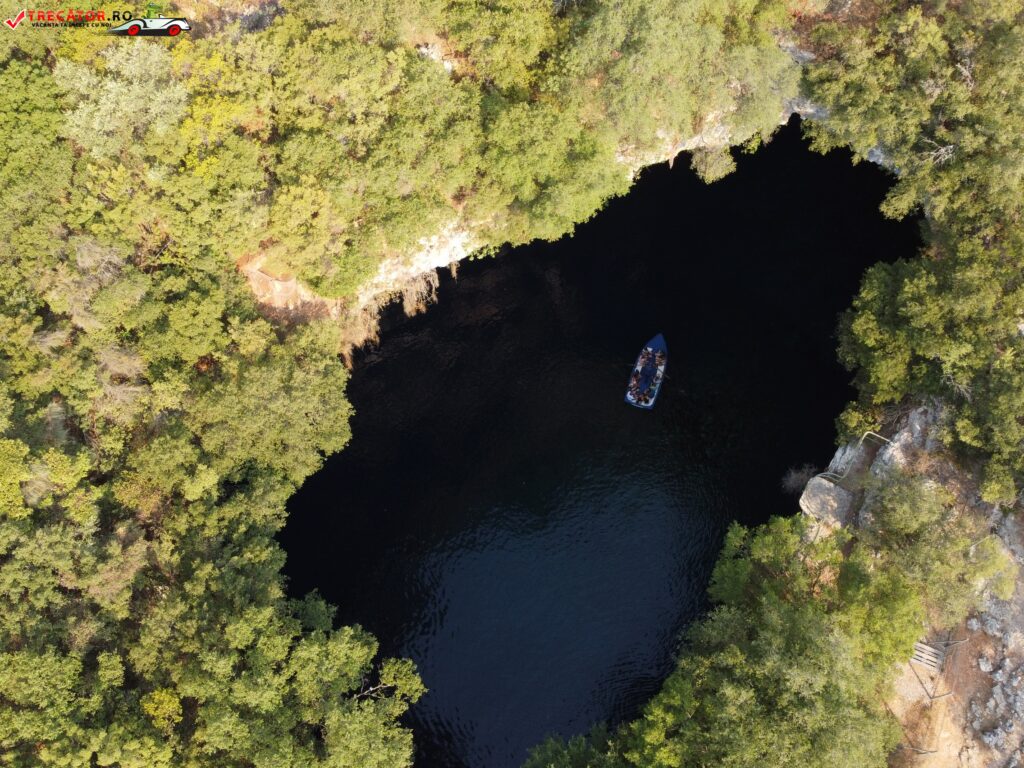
153	422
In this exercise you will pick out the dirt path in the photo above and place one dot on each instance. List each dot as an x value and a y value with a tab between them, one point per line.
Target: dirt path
981	723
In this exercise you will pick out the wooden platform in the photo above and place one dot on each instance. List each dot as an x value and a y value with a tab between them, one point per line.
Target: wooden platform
928	656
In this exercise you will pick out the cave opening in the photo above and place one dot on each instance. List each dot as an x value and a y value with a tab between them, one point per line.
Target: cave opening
504	519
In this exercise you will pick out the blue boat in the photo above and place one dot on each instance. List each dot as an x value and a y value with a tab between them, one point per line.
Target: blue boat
648	373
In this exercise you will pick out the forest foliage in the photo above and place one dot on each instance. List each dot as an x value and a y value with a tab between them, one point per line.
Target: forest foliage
936	91
153	422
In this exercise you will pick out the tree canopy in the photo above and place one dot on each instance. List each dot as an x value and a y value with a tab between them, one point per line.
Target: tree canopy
935	92
153	422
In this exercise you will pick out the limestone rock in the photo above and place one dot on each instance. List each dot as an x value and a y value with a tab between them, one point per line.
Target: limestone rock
916	435
846	458
997	721
827	502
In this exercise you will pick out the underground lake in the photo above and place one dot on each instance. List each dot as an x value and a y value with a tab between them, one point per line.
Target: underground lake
503	518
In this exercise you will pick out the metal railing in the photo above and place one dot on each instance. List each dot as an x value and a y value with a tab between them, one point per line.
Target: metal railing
834	477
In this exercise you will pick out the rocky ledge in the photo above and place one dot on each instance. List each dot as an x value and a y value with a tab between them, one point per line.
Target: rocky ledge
981	723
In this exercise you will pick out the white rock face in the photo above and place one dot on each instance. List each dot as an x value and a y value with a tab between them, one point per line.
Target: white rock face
413	274
801	105
433	52
826	502
798	54
917	435
454	243
998	720
846	458
879	156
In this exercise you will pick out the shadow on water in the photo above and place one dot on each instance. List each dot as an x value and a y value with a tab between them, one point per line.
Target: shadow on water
504	519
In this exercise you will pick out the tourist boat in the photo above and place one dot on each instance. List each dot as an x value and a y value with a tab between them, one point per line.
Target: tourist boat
648	373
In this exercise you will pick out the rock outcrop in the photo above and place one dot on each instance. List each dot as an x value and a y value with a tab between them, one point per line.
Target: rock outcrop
829	504
284	296
412	277
997	715
981	725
